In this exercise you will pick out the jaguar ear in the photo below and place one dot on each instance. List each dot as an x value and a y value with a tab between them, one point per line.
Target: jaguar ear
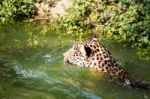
85	50
94	38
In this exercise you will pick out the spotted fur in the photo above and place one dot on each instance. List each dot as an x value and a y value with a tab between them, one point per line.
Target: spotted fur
94	55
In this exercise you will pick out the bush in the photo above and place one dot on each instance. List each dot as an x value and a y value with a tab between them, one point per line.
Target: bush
14	10
121	20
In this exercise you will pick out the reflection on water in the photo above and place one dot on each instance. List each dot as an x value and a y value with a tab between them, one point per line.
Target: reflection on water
39	73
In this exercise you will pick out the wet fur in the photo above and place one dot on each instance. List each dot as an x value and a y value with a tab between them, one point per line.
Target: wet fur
94	55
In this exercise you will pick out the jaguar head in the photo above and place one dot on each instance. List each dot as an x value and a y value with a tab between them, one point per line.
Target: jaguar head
79	53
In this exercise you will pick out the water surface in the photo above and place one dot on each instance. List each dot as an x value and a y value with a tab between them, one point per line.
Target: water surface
30	71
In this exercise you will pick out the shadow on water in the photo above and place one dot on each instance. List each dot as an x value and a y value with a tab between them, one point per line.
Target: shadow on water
39	72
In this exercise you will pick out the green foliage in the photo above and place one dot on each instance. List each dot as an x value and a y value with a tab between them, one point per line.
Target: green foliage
122	20
76	22
14	10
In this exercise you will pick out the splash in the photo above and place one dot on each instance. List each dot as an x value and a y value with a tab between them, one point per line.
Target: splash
58	85
36	74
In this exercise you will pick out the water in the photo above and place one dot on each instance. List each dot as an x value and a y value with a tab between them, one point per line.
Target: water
31	72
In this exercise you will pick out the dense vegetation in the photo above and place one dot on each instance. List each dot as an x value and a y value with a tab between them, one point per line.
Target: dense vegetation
122	20
15	10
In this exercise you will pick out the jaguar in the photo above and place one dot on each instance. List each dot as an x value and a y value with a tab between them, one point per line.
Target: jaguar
91	53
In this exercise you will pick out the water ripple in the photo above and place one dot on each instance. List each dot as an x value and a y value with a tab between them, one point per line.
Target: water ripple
29	73
72	90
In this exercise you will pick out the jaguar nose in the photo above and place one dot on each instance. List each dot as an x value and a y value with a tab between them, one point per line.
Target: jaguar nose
66	61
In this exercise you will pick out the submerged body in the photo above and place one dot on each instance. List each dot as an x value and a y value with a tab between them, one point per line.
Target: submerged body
94	55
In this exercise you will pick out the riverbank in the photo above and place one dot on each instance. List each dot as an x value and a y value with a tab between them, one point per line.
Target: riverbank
121	21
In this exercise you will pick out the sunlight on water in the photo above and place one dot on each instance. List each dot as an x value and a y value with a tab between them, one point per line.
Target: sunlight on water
29	73
48	58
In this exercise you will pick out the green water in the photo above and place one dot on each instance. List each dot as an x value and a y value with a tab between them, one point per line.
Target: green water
29	71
